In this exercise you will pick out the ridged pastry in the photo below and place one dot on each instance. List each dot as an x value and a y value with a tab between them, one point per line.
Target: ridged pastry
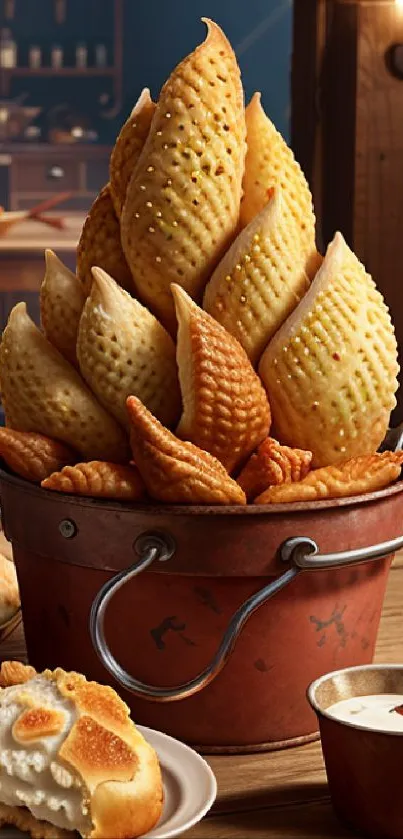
176	471
74	760
100	244
225	407
62	300
15	673
261	278
271	163
9	591
273	464
357	476
98	479
127	148
33	456
124	351
182	206
42	392
330	370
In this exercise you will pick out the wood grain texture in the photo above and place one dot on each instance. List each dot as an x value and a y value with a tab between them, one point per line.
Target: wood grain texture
278	795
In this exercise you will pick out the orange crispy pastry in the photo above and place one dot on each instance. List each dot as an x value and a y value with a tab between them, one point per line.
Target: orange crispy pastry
273	463
261	278
182	206
225	407
15	673
176	471
100	244
33	456
62	301
331	368
271	163
124	351
357	476
98	480
42	392
127	148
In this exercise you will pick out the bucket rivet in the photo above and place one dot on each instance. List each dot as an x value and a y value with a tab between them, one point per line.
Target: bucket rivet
67	528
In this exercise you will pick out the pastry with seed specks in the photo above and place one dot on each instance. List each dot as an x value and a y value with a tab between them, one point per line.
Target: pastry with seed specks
43	393
182	205
98	479
74	760
331	368
128	147
124	351
100	244
271	163
273	464
225	406
357	476
33	456
261	278
62	300
176	471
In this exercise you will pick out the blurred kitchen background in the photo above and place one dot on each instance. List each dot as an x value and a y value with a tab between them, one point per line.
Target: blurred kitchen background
331	77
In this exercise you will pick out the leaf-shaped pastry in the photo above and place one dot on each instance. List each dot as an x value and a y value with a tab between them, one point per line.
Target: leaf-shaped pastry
98	480
182	205
273	464
62	301
100	244
33	456
127	148
330	370
124	351
176	471
261	278
271	163
42	392
225	407
357	476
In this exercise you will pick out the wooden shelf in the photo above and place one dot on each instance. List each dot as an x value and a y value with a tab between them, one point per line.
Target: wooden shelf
64	71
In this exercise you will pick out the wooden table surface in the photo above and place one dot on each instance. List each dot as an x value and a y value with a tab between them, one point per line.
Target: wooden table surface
279	795
33	237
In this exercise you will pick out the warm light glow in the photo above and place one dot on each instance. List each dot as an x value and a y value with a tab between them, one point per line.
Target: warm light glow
399	3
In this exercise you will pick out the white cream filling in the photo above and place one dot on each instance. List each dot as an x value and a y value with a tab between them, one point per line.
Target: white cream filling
376	711
30	774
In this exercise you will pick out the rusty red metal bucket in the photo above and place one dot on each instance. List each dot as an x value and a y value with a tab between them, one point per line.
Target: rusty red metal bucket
304	614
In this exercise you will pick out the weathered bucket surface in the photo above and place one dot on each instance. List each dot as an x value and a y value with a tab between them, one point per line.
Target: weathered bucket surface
164	626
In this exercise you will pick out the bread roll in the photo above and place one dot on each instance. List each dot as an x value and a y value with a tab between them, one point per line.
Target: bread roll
74	759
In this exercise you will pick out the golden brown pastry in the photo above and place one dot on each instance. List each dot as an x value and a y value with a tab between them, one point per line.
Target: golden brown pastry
33	456
273	464
100	244
9	591
15	673
330	370
127	148
98	480
182	205
271	163
261	278
176	471
75	761
43	393
62	300
225	407
356	476
124	351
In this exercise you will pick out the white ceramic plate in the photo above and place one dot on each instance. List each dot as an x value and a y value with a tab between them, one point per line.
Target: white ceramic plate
189	784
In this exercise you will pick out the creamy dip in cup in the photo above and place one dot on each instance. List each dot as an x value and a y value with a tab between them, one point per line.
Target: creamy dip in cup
362	743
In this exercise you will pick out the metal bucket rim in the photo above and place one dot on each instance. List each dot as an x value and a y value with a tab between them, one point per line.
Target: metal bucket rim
212	510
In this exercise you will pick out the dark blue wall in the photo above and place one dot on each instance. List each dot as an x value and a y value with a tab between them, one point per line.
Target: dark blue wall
160	32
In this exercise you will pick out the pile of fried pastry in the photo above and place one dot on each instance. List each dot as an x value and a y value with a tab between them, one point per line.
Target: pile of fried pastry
205	352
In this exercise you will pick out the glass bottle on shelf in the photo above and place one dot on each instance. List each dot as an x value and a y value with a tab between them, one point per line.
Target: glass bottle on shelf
81	56
101	55
8	49
35	57
56	57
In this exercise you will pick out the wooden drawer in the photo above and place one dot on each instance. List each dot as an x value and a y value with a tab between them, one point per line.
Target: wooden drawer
48	175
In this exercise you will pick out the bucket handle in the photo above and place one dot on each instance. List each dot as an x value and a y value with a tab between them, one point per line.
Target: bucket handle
300	551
